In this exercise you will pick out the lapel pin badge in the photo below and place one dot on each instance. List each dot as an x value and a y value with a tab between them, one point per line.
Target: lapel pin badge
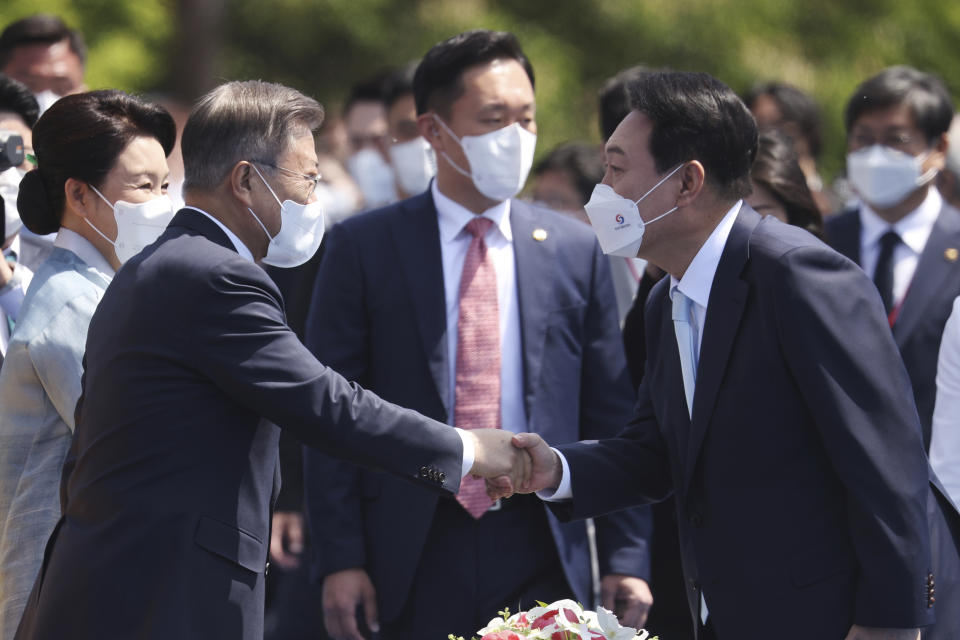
951	254
541	234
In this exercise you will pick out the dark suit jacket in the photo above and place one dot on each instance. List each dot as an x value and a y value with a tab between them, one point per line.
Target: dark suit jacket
167	488
927	305
801	483
378	317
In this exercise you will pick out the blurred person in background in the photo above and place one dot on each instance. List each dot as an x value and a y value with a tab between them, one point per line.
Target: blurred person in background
777	105
365	119
411	156
903	234
426	301
101	187
948	180
779	186
46	55
18	114
563	181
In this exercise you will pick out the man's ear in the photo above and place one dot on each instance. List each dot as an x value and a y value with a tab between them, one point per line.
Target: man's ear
241	182
692	179
430	130
78	196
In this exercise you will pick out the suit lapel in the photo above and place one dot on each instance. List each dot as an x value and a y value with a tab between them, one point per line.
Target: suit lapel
728	295
416	235
932	270
534	249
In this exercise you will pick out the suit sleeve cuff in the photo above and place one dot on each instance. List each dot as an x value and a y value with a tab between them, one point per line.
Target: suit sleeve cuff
565	489
469	454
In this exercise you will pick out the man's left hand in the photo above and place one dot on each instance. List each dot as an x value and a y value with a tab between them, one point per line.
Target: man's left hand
286	539
628	597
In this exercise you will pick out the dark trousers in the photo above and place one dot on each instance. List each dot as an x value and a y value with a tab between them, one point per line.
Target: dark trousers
471	569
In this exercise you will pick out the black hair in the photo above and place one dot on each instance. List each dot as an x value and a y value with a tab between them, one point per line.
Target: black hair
368	90
776	169
399	84
697	117
16	98
80	136
796	107
437	81
923	93
583	162
40	28
614	103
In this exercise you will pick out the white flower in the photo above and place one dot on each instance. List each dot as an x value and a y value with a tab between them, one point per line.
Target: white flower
612	630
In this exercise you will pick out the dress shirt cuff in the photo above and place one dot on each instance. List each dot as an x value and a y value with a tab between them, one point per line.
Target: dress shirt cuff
12	293
565	489
469	454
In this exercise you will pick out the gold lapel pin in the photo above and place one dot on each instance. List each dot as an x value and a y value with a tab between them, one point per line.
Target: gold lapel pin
541	234
951	254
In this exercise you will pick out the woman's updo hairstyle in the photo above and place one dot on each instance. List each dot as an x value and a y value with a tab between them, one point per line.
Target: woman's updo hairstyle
80	136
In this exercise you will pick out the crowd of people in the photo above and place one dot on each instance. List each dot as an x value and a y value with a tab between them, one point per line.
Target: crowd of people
765	364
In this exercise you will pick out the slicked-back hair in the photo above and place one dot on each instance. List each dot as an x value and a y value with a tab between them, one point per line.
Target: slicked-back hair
40	28
697	117
924	94
251	120
438	81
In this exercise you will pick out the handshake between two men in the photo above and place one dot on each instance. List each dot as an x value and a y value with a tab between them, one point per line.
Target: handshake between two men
514	463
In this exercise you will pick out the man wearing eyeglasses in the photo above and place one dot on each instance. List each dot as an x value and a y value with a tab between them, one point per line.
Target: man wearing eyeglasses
902	232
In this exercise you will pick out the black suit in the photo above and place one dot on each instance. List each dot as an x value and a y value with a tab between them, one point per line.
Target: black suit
924	311
168	485
803	492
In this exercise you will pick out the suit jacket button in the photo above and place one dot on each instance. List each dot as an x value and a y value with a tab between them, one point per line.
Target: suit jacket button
443	477
424	472
266	569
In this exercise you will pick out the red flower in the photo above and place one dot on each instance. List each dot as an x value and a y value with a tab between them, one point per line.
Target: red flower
547	619
502	635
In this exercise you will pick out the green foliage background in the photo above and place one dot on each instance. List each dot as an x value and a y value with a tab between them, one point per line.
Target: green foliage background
321	46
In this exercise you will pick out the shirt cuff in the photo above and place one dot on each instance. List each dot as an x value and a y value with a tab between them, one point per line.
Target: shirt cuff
469	454
565	489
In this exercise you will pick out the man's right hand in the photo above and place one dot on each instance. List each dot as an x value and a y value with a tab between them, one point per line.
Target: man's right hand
342	592
546	472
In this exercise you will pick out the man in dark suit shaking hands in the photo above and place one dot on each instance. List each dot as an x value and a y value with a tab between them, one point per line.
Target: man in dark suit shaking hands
169	482
903	233
775	406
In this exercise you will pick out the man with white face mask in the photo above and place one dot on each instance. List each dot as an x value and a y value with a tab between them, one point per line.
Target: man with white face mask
365	119
411	156
903	233
172	471
471	307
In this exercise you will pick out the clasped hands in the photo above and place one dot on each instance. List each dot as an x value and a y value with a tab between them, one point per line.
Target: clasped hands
514	463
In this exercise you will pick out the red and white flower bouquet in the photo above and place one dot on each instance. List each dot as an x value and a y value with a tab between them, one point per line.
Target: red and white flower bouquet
562	620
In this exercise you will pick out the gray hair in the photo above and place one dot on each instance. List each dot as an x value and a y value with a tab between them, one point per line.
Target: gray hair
251	120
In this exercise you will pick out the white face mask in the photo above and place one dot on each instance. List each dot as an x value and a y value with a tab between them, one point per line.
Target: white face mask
500	161
45	99
374	177
616	220
9	189
415	163
884	176
138	224
301	230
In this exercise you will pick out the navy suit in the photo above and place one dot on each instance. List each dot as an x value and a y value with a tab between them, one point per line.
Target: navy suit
169	482
803	492
919	324
378	317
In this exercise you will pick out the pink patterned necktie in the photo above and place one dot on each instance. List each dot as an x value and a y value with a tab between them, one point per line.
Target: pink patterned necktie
477	388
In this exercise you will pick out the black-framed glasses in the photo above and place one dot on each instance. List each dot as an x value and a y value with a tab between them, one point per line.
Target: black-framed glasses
313	180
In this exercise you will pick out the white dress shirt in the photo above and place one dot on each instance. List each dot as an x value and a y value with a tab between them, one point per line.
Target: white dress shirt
945	438
914	229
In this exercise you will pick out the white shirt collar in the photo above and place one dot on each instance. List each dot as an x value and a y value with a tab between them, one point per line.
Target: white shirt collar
237	242
914	228
453	217
84	249
698	278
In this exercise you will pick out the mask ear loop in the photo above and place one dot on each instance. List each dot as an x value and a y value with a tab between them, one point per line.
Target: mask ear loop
453	164
255	216
113	243
664	179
